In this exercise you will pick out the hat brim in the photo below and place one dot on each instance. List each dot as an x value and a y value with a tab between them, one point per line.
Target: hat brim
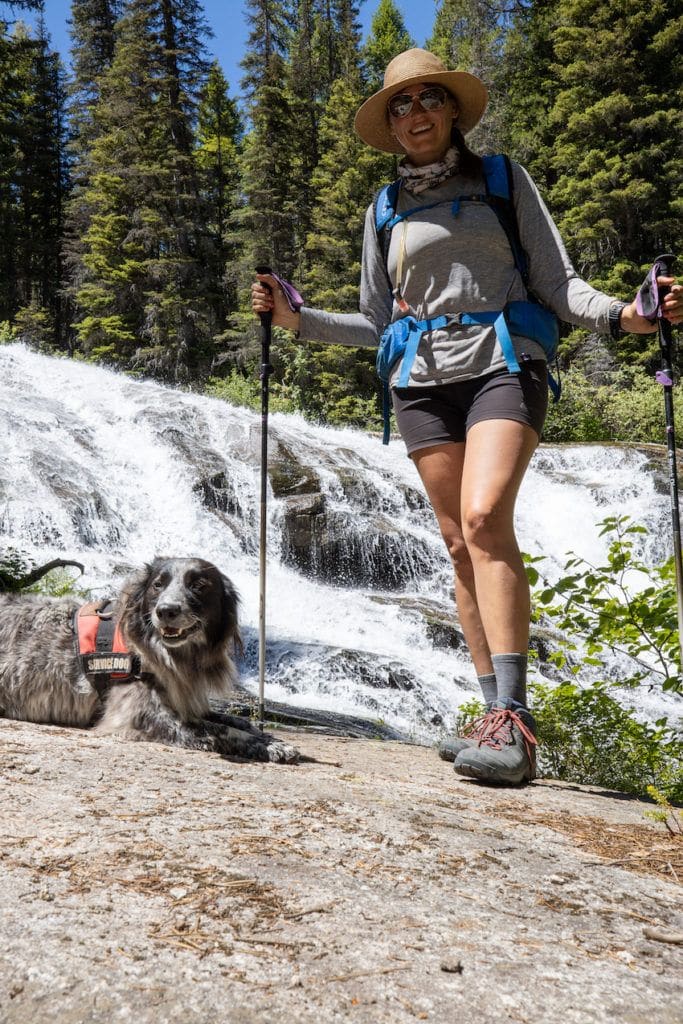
470	93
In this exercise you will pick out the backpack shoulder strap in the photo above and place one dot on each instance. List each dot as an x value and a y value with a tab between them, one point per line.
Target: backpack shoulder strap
500	194
498	176
384	205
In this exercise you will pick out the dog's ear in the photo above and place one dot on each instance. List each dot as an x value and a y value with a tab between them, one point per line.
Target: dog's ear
229	613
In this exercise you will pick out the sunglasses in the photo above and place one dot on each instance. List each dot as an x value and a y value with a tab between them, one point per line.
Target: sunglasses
433	98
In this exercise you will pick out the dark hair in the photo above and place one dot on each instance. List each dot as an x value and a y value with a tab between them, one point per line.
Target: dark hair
470	163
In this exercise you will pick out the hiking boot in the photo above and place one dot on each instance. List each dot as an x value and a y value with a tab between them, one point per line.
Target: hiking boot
450	747
505	750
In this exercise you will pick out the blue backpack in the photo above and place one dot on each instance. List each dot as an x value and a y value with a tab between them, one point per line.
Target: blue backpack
529	318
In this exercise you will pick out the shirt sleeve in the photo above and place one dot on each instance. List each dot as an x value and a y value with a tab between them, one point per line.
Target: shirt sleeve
365	327
552	277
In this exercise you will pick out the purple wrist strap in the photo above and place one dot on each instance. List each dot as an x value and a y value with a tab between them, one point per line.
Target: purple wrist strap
294	300
648	299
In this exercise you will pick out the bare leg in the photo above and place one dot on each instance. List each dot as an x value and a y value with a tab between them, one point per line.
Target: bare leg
441	470
497	456
473	487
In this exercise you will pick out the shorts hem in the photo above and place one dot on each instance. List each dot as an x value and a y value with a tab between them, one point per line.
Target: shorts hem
503	416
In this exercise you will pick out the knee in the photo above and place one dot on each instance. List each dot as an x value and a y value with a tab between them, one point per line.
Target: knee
484	527
460	557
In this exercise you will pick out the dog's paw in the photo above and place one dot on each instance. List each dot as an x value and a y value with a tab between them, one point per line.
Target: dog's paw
282	753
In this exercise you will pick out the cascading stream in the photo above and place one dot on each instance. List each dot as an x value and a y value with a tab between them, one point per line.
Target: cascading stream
111	472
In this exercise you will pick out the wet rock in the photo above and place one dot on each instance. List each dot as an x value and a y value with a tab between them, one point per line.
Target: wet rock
440	620
335	547
217	492
288	475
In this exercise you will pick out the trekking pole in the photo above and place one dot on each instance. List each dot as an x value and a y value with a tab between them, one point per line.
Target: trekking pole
266	370
663	265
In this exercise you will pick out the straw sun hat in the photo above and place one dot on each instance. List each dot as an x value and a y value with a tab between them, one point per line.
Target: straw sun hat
410	67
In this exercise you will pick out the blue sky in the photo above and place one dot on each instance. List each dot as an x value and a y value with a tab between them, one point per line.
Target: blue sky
226	18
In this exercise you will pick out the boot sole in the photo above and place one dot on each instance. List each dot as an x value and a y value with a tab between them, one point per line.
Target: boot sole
494	777
451	755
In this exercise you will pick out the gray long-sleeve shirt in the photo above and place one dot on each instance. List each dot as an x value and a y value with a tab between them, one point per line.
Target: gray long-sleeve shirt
461	263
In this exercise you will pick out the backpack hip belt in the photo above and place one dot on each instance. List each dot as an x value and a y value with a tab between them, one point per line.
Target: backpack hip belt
401	340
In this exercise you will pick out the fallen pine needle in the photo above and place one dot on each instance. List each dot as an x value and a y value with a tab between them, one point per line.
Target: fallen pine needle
364	974
659	935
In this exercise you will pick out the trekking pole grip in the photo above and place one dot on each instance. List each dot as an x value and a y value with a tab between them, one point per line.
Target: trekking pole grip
267	317
665	264
667	260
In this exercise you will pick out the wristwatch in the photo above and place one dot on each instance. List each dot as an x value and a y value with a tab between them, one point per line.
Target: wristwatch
614	319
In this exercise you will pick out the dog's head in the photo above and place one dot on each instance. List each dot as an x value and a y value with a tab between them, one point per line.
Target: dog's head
181	603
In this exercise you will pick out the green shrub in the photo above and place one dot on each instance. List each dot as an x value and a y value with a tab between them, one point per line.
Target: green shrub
238	389
585	735
629	408
598	611
8	333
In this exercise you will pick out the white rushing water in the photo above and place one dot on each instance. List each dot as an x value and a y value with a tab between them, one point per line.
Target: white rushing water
110	472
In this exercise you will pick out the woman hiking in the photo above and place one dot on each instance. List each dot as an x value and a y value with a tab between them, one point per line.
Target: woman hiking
469	423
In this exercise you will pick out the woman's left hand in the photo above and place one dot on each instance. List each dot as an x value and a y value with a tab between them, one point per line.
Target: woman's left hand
671	306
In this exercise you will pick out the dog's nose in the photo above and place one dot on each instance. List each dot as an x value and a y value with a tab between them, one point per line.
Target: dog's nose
168	611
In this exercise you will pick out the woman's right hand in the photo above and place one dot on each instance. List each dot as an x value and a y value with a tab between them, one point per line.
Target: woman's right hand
267	297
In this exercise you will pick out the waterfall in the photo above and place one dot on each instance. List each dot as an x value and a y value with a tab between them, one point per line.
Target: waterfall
111	471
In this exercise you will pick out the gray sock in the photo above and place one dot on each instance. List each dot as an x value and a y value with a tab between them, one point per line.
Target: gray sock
510	672
488	687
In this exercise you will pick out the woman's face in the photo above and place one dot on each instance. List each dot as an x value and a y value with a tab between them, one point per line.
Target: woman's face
424	134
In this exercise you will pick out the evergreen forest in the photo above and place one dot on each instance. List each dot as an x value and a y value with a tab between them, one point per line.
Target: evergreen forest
139	188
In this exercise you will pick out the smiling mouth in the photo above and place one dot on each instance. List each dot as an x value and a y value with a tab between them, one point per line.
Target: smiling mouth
175	637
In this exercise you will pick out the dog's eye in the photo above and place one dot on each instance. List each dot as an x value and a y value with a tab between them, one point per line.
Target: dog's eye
157	584
197	586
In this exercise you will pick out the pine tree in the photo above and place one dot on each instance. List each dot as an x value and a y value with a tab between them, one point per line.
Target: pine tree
348	175
306	87
349	172
528	83
269	21
143	288
9	98
93	39
606	92
469	35
388	37
269	215
42	181
324	47
219	140
93	35
32	178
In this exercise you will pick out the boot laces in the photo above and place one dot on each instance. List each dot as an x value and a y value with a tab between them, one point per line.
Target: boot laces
477	727
495	729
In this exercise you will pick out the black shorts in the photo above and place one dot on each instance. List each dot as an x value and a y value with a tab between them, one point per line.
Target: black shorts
432	415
